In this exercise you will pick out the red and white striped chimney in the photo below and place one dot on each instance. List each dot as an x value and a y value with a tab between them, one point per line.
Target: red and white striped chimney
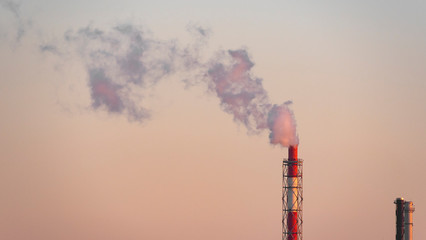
292	196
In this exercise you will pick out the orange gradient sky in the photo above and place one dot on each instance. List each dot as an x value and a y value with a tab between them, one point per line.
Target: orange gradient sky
355	72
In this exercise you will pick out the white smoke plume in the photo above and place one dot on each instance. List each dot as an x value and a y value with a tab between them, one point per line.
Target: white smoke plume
122	60
125	58
242	95
282	126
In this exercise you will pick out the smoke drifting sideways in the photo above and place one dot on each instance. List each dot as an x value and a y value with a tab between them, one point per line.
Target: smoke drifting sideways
119	62
242	95
123	59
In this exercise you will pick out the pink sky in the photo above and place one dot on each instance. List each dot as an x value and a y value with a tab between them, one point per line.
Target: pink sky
355	73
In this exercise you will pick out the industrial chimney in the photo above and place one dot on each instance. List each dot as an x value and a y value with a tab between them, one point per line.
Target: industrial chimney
404	219
292	196
399	218
408	220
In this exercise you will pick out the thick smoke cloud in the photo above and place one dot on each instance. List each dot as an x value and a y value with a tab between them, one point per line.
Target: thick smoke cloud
282	125
124	59
242	95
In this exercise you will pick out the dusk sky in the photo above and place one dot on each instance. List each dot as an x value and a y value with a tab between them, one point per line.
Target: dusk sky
94	146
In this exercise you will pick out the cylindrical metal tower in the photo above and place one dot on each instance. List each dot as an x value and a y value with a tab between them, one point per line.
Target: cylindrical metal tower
399	218
408	220
292	196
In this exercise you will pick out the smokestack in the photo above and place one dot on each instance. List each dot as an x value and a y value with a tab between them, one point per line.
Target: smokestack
399	218
408	220
292	196
404	219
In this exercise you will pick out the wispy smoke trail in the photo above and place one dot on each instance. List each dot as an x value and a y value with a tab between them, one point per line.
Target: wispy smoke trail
125	58
49	48
119	61
21	24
